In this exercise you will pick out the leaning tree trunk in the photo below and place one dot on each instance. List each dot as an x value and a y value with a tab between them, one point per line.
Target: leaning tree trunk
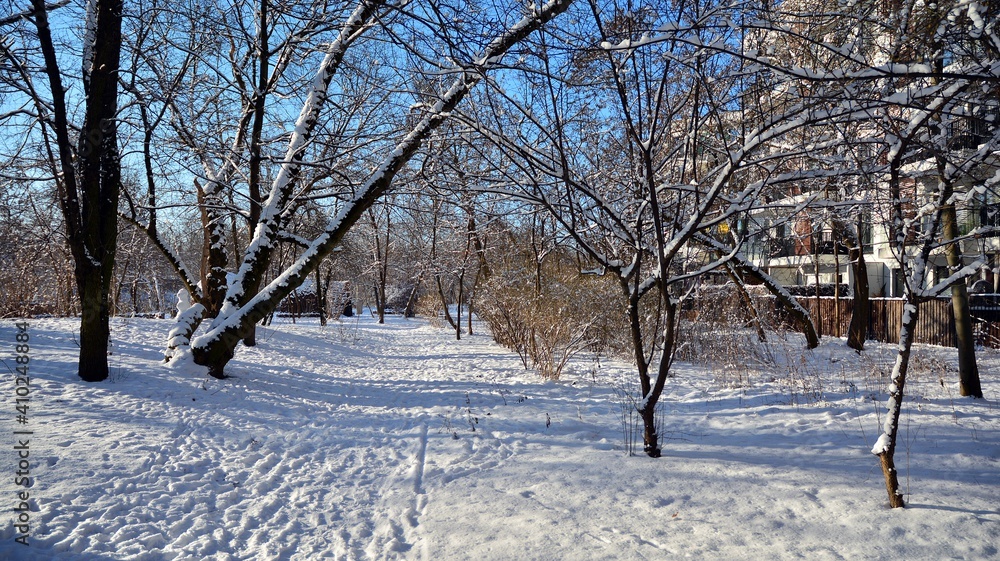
968	371
799	314
216	347
731	271
885	447
444	304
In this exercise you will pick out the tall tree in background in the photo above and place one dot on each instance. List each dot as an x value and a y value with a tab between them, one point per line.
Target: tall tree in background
83	158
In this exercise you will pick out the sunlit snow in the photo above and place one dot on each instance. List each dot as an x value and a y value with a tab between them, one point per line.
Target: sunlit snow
366	441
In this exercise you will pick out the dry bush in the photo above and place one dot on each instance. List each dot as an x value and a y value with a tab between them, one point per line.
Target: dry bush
508	317
548	314
36	271
716	331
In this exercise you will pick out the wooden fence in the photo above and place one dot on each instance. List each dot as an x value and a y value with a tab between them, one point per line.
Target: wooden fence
935	323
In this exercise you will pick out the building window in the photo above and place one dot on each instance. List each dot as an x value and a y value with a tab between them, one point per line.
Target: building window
989	215
866	231
895	283
941	273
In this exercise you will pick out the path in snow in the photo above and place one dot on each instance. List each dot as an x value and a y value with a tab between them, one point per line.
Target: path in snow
359	441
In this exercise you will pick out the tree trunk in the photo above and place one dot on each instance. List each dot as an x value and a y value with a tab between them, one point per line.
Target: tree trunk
473	292
90	181
411	300
819	304
885	447
799	314
458	308
857	331
747	301
444	302
639	353
837	330
213	253
95	331
250	339
652	392
322	290
968	371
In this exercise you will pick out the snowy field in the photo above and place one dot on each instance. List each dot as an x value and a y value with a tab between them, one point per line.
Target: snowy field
360	441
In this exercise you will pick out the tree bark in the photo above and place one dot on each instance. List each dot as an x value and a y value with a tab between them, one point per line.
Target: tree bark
968	370
857	331
885	448
89	188
95	330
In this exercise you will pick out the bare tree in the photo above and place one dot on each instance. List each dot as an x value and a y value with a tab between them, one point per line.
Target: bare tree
913	106
82	159
354	171
380	224
637	189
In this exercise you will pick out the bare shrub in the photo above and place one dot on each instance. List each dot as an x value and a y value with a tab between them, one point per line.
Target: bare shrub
548	312
36	267
715	331
508	318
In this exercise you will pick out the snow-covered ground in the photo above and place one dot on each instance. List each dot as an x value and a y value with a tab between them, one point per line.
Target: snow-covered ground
360	441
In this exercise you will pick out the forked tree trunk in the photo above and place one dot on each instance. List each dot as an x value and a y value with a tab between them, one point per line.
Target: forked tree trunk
642	365
89	178
857	331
